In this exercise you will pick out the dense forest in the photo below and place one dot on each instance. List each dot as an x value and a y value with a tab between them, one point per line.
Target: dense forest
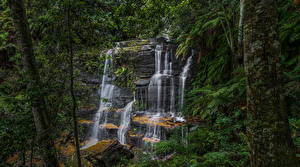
150	83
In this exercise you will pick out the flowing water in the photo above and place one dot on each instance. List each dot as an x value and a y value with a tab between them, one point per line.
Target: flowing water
162	75
155	85
125	122
106	94
158	99
153	130
154	91
183	76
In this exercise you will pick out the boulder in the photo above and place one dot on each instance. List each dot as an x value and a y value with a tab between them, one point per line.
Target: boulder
107	153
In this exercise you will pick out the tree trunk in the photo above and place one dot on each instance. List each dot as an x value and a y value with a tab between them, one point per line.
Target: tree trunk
75	124
240	55
268	132
45	143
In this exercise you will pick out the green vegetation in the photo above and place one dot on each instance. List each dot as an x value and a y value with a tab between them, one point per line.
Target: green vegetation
219	88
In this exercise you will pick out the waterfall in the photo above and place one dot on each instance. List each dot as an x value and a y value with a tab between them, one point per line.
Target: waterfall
157	102
125	122
153	130
106	94
166	63
156	81
172	98
158	52
154	91
183	76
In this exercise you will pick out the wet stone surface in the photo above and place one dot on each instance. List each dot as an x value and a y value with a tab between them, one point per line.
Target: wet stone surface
156	108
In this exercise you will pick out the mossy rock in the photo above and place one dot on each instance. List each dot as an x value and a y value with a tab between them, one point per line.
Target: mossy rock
107	153
109	126
134	43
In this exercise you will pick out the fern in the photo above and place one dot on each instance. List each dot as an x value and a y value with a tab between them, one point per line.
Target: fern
207	100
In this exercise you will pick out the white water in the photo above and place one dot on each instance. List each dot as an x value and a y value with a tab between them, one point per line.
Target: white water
155	94
161	98
166	63
158	98
156	80
153	130
158	51
172	98
183	76
106	94
125	122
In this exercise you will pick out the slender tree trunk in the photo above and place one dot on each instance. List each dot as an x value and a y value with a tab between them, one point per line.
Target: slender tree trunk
72	91
268	132
32	153
240	55
45	143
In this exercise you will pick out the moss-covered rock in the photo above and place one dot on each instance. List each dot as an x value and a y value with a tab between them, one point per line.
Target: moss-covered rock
107	153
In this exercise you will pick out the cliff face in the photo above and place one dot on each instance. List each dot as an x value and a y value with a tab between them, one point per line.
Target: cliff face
141	55
157	82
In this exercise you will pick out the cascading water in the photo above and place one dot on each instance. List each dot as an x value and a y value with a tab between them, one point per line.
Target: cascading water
172	98
167	97
156	102
155	82
125	122
106	93
183	76
154	90
153	133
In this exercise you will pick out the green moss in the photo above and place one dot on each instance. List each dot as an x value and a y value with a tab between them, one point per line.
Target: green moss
131	49
124	59
138	43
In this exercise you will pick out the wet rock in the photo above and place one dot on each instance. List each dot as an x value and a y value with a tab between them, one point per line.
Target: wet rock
83	121
139	55
151	140
147	47
133	43
86	113
145	63
107	153
142	82
141	119
109	126
140	123
195	122
121	97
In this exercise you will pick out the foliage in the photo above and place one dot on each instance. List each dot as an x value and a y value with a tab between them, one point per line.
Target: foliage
7	30
17	128
208	100
144	160
125	77
218	91
7	38
289	38
124	67
221	100
174	144
211	21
